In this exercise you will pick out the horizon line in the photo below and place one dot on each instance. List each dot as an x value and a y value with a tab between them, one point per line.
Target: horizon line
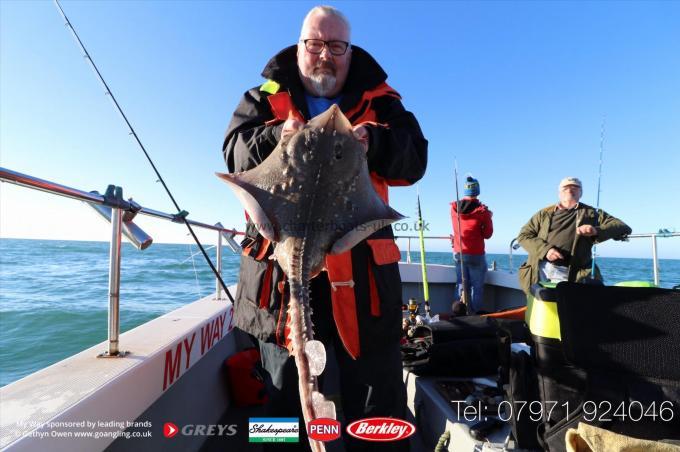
213	244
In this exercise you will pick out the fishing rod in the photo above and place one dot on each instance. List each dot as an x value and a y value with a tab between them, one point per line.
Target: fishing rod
181	214
597	206
423	265
464	295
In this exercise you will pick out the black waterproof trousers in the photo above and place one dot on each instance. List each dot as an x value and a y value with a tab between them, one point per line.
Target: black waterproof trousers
370	386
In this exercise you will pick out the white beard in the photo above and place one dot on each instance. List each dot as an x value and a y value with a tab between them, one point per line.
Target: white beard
322	83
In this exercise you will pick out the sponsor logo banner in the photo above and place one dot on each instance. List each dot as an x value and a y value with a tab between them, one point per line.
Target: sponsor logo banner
273	430
381	429
170	430
323	429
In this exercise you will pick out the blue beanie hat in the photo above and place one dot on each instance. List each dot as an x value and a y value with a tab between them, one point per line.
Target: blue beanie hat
471	187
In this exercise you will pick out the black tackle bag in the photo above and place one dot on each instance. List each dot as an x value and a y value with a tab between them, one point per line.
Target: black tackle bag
620	349
470	346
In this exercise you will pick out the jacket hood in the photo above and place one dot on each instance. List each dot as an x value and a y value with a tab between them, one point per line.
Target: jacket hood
364	72
470	207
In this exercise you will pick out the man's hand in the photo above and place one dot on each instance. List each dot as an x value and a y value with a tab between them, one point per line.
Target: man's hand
291	126
361	132
552	255
586	230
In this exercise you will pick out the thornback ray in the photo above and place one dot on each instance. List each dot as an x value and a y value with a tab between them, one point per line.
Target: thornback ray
312	196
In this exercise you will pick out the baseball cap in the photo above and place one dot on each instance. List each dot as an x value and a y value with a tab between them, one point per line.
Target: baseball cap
570	181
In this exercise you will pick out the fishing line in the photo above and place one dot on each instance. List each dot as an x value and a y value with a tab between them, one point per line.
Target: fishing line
597	206
196	254
180	213
193	263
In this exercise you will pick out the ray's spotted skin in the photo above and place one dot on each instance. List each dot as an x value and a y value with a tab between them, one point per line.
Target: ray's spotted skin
312	196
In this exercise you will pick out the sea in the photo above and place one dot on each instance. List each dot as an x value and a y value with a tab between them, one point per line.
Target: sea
53	294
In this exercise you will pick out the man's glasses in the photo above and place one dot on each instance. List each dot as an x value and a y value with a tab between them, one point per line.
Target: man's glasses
316	46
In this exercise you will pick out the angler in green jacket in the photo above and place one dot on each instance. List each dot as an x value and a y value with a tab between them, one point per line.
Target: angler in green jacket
559	238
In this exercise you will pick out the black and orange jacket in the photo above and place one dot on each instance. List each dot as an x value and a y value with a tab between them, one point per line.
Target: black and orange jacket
397	155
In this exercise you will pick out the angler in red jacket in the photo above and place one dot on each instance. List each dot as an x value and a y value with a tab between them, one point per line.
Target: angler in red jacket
356	304
476	226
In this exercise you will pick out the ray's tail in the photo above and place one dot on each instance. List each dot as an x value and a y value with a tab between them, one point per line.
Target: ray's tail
310	358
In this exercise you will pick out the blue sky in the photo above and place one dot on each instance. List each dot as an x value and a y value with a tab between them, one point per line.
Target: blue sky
516	91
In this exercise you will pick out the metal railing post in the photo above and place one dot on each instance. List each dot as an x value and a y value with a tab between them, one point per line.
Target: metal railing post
218	286
512	247
655	263
408	250
510	255
114	281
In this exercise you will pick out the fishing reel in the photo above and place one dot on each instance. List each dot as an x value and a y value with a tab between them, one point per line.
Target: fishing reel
409	323
412	307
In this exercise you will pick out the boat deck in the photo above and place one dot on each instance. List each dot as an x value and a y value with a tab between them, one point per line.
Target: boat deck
175	373
84	388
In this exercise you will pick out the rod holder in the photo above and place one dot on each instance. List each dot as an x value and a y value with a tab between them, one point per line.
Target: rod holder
140	239
231	242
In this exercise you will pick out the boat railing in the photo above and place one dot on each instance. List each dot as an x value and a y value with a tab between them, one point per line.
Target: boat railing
662	233
514	246
120	213
416	237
